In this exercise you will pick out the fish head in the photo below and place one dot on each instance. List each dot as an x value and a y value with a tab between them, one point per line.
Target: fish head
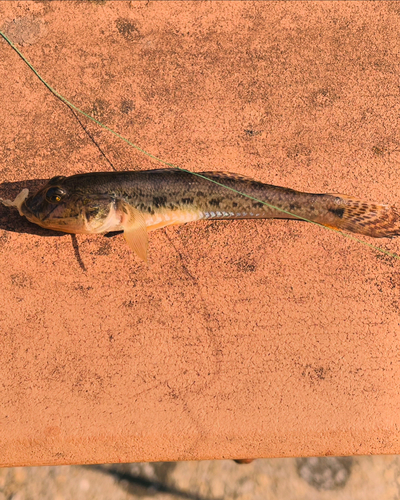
62	205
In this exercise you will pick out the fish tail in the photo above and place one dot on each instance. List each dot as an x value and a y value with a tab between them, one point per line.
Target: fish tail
352	214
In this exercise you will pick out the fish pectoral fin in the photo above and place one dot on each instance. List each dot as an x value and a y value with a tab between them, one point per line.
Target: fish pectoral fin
135	230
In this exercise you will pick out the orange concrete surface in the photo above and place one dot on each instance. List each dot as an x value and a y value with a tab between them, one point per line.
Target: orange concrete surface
238	339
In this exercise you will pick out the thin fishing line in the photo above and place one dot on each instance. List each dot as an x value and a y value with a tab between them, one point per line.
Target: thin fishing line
72	106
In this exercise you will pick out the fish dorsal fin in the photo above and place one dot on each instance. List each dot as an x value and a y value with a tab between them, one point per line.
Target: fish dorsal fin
135	231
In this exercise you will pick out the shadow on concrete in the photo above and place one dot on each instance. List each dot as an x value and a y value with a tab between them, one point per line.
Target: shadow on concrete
139	485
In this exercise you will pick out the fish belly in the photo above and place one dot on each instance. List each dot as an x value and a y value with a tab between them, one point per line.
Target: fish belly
171	218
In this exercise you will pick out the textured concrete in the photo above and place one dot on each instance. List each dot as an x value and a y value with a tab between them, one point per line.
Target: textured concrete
326	478
242	339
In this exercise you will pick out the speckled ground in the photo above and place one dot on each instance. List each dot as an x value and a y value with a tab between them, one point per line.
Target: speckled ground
238	340
360	478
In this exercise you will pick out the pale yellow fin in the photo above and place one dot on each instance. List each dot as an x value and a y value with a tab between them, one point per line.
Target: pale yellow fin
135	231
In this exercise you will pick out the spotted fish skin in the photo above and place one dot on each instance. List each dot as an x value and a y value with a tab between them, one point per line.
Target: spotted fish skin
141	201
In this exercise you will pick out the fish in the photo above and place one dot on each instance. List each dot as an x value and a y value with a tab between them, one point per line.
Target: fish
138	202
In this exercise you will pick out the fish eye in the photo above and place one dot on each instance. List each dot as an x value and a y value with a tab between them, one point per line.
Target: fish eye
55	194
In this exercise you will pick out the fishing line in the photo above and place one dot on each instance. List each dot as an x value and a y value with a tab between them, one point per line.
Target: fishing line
168	164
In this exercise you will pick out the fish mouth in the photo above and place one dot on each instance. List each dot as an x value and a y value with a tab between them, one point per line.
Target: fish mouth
30	214
43	220
63	224
34	217
49	213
